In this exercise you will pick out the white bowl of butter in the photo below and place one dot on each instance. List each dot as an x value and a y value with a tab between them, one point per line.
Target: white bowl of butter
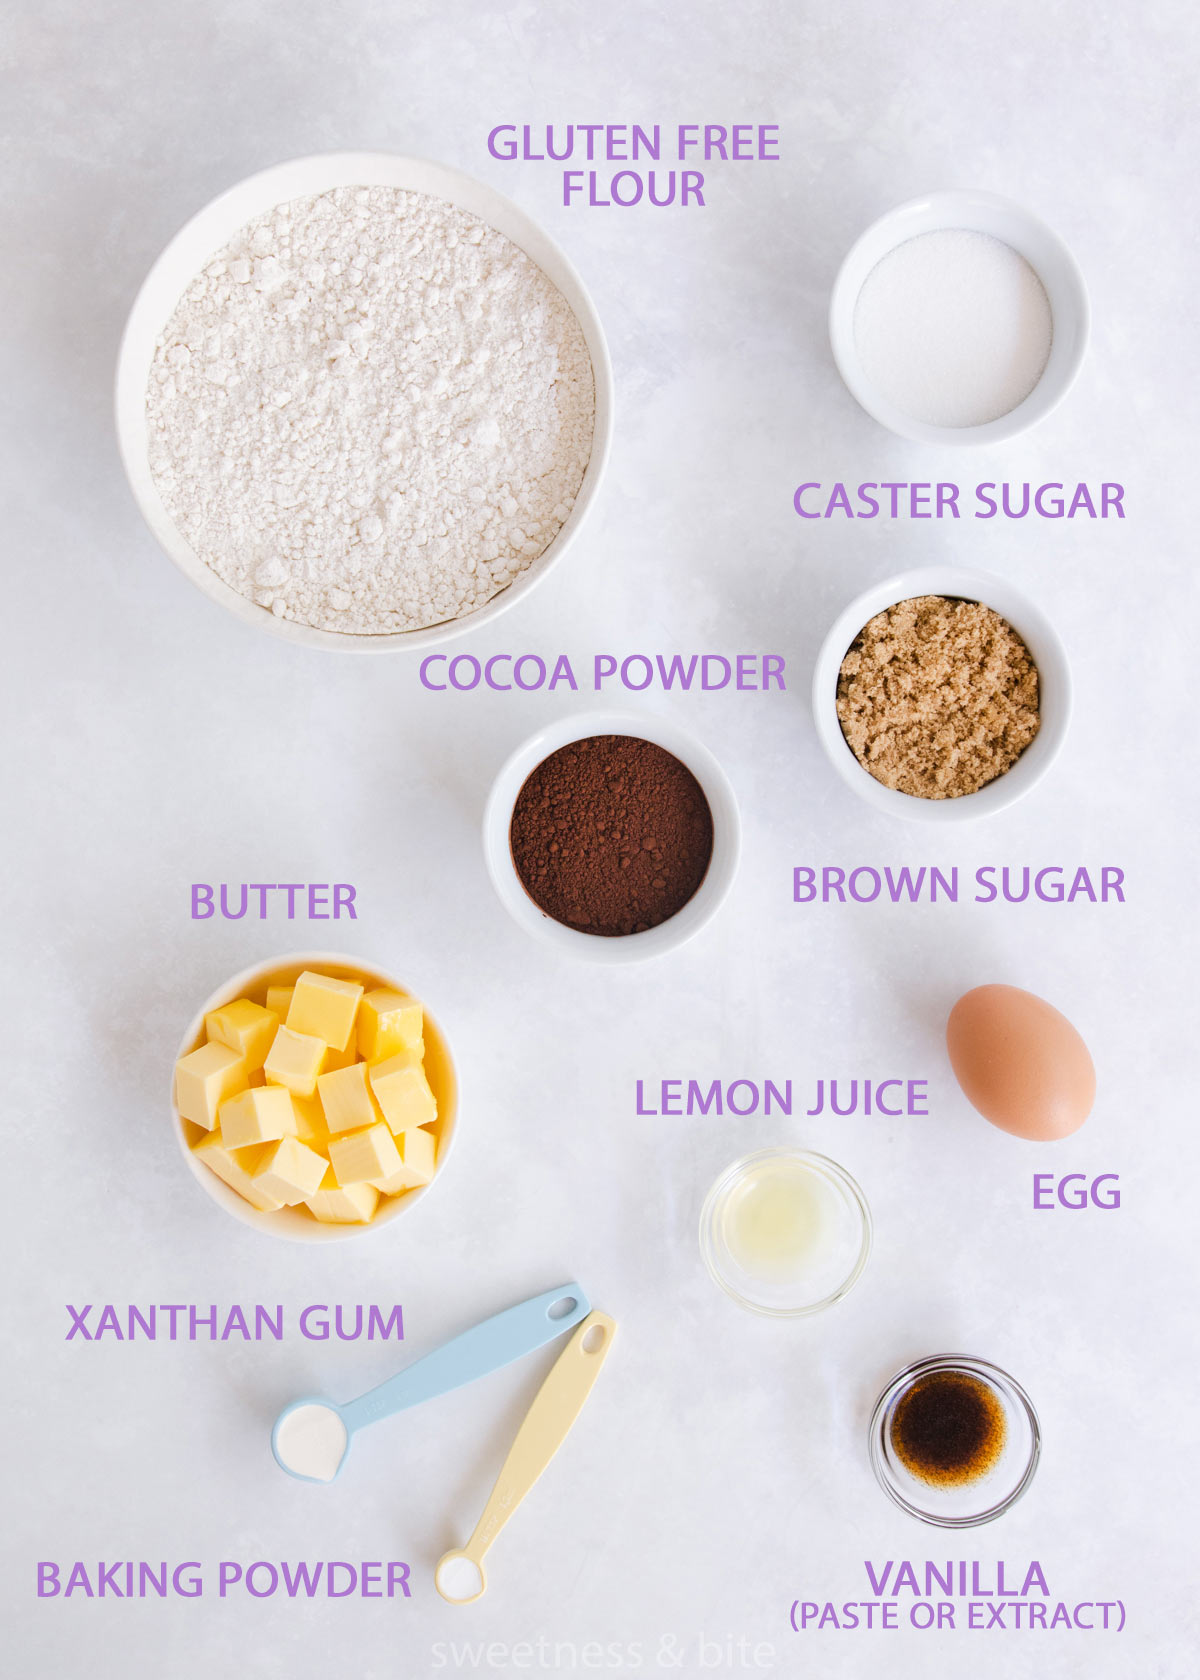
295	1223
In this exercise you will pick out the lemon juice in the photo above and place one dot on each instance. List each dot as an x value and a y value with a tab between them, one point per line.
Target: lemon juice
780	1221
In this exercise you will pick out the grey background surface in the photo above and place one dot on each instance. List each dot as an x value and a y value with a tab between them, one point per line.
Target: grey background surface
719	1472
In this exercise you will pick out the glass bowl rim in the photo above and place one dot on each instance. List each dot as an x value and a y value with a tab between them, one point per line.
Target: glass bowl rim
973	1366
832	1169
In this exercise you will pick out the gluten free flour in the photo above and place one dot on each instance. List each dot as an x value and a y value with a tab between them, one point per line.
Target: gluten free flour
370	412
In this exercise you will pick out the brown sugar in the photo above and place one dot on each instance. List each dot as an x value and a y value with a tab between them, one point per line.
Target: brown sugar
611	835
937	697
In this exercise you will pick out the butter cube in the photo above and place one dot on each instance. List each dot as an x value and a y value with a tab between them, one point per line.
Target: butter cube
203	1080
290	1171
244	1026
334	1204
311	1125
362	1157
389	1022
418	1156
237	1174
335	1059
295	1059
402	1092
279	1000
346	1099
258	1115
324	1008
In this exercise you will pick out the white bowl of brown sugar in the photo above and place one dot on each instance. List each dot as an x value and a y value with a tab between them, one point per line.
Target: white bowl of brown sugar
942	694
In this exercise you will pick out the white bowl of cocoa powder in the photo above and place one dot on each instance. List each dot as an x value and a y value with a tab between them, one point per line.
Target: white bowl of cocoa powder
942	695
596	852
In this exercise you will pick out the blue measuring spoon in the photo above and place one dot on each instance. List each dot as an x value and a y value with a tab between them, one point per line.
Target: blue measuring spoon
311	1437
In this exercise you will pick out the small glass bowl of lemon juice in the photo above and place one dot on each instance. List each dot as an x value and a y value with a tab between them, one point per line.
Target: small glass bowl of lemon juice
785	1232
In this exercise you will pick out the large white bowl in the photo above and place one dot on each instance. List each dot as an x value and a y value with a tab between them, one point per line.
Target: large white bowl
1043	250
630	947
296	1224
1054	692
211	228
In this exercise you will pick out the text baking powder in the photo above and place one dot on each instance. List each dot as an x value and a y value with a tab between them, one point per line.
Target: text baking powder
370	412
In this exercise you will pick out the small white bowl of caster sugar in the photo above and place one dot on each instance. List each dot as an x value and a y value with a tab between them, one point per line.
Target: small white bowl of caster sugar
363	401
959	318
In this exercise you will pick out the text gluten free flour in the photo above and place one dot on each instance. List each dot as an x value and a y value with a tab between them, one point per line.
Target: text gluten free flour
370	412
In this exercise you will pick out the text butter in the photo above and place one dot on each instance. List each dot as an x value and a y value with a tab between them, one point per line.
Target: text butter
317	901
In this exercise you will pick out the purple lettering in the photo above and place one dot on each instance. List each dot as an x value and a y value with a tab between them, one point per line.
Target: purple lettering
380	1329
78	1327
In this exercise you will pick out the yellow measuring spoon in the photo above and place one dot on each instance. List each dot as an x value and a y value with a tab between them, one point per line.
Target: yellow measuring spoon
460	1576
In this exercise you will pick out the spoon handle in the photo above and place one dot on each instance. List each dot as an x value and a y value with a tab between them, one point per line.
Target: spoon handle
486	1347
555	1407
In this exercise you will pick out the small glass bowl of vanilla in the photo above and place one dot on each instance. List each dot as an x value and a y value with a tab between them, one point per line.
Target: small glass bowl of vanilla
785	1232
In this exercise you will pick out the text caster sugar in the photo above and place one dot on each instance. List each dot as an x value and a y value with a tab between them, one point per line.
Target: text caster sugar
370	412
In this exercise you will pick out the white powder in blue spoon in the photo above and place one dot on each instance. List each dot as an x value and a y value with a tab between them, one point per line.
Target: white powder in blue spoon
312	1440
953	328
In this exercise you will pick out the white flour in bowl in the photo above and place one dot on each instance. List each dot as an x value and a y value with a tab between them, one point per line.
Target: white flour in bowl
370	412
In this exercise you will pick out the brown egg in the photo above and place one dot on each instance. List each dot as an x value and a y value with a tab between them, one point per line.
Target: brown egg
1020	1063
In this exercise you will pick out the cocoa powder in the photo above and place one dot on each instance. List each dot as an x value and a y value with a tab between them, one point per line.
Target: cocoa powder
611	835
